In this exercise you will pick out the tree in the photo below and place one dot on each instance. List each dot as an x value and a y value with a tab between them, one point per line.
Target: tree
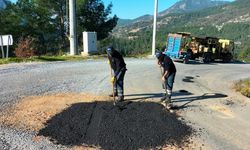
46	21
92	16
57	16
27	18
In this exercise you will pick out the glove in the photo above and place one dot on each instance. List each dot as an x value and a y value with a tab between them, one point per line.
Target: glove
112	80
163	78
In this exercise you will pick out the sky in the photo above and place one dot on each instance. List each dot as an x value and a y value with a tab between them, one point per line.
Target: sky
131	9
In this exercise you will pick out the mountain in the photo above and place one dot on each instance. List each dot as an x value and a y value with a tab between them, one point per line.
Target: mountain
191	5
122	22
216	16
183	6
2	4
230	21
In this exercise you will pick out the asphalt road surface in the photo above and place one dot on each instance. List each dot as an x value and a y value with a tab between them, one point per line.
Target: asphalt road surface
203	95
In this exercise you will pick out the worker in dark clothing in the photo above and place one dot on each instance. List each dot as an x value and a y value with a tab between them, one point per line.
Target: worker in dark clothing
168	75
118	67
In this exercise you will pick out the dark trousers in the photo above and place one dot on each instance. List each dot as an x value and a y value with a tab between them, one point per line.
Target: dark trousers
119	85
169	83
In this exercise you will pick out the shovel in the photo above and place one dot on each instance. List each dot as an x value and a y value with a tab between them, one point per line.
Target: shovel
113	85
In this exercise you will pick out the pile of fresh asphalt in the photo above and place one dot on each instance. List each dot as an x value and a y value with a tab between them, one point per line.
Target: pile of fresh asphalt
131	125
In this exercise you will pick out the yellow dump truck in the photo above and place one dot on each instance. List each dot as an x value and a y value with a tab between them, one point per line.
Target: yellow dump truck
210	48
183	46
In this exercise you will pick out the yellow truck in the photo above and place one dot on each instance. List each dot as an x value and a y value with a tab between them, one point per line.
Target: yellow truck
183	46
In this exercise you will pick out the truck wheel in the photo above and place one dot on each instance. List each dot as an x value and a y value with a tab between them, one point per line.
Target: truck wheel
207	58
227	58
190	54
185	61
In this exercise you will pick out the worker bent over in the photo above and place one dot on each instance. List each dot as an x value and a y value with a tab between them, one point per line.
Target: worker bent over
118	67
168	75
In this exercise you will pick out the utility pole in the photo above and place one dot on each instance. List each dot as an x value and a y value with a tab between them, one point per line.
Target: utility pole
154	27
72	26
67	18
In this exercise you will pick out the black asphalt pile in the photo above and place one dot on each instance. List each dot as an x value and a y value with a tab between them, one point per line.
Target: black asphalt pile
136	125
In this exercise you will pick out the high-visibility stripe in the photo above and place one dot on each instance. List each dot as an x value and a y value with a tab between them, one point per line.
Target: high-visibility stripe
169	92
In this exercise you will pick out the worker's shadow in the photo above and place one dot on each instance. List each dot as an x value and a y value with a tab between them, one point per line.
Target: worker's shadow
142	96
134	125
145	96
197	62
188	100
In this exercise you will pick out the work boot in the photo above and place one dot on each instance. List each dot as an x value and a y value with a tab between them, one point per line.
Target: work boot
165	97
169	98
111	95
120	99
167	103
170	105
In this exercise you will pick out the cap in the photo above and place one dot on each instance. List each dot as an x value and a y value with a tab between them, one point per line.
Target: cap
158	54
110	48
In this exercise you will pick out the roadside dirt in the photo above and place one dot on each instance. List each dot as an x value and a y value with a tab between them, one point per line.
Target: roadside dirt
31	113
84	121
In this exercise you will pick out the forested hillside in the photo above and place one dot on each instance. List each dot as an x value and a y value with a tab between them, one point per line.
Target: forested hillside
183	6
231	21
43	24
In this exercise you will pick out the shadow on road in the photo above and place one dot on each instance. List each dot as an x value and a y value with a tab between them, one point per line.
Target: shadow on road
138	125
181	93
189	100
188	79
232	62
195	62
144	96
51	59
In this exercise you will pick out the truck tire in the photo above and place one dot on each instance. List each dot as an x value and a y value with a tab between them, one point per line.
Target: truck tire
185	61
190	54
207	58
228	57
187	57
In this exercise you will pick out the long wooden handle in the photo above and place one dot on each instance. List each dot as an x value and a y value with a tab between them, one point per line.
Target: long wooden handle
113	84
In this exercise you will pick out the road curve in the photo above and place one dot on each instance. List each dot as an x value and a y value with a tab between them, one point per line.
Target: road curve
203	93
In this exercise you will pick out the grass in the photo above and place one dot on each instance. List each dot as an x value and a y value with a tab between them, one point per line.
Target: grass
243	86
61	58
143	55
47	59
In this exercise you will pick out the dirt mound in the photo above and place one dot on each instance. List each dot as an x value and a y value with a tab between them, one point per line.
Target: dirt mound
92	121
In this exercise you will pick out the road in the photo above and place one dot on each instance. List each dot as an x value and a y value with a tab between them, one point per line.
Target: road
203	93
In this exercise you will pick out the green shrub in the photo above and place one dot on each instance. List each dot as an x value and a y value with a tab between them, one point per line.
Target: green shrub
245	55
